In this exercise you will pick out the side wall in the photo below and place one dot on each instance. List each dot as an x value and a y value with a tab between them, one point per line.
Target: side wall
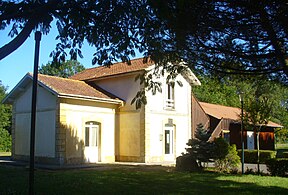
45	126
198	115
71	132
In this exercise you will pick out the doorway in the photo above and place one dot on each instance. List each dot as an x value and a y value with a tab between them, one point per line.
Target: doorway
92	142
250	140
169	143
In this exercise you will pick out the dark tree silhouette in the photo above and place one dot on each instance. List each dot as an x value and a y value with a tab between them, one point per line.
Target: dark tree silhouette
235	36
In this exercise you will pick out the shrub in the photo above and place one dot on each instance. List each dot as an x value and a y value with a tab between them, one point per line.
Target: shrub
278	166
5	141
230	162
250	156
221	148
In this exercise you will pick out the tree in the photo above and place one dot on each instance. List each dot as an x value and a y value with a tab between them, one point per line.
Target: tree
199	147
281	136
5	122
257	113
224	92
5	141
65	69
5	110
238	37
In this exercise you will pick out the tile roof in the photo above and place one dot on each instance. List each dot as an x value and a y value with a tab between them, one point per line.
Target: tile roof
226	112
114	69
64	86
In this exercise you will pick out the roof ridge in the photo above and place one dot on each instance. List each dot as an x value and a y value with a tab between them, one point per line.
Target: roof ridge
58	77
116	63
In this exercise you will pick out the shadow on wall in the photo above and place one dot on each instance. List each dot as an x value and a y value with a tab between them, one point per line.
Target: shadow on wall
69	145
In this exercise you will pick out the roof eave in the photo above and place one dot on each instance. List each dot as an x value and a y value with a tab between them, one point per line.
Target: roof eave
20	87
81	97
114	75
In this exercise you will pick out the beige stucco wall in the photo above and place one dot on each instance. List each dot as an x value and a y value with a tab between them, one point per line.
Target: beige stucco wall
129	138
74	114
45	123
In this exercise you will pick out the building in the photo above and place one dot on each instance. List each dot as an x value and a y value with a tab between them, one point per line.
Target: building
89	117
224	121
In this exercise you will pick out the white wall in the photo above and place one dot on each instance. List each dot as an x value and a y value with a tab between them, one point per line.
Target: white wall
45	123
157	116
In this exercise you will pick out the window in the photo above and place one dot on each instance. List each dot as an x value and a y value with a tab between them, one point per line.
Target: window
91	134
226	135
170	96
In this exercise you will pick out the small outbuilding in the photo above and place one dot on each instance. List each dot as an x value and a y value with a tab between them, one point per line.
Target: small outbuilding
224	121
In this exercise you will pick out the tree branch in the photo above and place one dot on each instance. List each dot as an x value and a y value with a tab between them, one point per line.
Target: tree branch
17	41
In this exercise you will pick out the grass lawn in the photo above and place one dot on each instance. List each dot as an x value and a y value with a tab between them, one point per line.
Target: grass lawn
137	180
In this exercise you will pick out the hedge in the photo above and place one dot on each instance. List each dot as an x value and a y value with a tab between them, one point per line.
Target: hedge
285	154
250	156
278	166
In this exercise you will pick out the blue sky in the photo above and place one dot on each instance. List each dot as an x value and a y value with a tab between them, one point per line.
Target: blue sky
21	61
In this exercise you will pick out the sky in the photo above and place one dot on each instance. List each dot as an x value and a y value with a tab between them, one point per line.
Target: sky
15	66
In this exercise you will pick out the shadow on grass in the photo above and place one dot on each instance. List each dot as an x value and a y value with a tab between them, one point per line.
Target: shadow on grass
127	180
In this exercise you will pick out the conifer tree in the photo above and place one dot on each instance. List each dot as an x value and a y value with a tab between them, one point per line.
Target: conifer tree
199	147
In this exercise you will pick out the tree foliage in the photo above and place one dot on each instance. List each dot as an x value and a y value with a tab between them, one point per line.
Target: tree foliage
199	147
232	36
5	122
65	69
5	110
281	136
224	92
5	141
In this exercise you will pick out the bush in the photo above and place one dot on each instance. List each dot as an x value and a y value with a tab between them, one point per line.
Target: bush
221	148
230	162
278	166
5	141
250	156
186	163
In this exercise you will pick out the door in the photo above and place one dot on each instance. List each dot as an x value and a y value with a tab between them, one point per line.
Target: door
250	140
92	141
168	144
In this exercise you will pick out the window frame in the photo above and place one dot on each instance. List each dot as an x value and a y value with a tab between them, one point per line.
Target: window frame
170	96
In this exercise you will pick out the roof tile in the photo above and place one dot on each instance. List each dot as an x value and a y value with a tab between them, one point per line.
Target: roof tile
114	69
64	86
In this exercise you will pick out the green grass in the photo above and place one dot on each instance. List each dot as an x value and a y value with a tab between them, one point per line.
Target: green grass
136	180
